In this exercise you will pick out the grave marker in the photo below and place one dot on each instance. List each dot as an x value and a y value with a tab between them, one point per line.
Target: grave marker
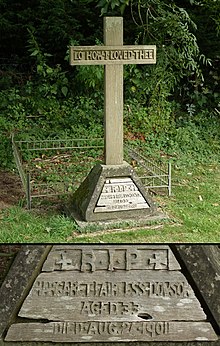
91	200
113	55
110	293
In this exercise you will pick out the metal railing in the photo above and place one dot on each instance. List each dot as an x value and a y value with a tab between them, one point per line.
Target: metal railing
60	144
153	175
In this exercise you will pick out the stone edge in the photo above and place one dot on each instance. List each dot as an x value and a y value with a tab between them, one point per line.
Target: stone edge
138	343
195	261
148	220
17	283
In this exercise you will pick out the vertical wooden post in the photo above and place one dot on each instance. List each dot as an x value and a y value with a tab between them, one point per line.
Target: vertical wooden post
113	36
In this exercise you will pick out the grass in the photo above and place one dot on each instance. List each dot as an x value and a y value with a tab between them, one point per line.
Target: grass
193	208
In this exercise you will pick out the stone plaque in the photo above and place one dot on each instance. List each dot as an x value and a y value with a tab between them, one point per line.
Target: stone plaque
120	194
92	293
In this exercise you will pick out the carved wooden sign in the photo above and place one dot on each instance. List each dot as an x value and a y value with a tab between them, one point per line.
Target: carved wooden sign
92	293
99	55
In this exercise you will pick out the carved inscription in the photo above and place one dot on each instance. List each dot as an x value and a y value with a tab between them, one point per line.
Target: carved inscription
110	259
108	308
98	55
110	293
151	329
87	296
111	331
120	194
110	289
65	263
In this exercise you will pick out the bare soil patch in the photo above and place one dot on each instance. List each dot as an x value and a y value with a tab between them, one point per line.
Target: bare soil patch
10	189
10	193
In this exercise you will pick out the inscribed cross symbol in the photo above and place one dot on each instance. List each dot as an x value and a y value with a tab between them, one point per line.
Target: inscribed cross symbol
159	261
66	264
113	55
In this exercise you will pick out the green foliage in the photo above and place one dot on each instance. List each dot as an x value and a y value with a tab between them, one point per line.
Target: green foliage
170	28
143	120
110	5
194	138
91	79
41	101
55	22
52	80
182	70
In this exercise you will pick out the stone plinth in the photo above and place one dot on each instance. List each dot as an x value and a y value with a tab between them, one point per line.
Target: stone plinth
112	193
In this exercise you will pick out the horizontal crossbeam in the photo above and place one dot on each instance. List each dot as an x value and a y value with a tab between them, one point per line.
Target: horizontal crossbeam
108	55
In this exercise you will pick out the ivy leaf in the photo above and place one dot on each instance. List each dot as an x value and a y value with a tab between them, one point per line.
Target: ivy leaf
64	90
35	52
104	10
114	3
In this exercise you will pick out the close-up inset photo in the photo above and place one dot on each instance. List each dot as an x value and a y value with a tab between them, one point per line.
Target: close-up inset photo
142	293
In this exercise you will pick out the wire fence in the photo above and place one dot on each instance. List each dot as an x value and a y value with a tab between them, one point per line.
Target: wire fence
57	167
154	174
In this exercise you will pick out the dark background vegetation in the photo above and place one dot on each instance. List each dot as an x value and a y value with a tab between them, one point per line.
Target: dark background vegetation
173	106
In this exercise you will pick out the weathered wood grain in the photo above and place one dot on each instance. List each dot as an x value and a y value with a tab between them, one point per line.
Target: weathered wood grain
113	96
112	54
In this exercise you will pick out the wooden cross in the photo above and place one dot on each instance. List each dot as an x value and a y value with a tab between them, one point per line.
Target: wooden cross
113	55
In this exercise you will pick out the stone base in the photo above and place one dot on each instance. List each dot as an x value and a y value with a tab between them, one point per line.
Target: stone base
149	220
112	193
